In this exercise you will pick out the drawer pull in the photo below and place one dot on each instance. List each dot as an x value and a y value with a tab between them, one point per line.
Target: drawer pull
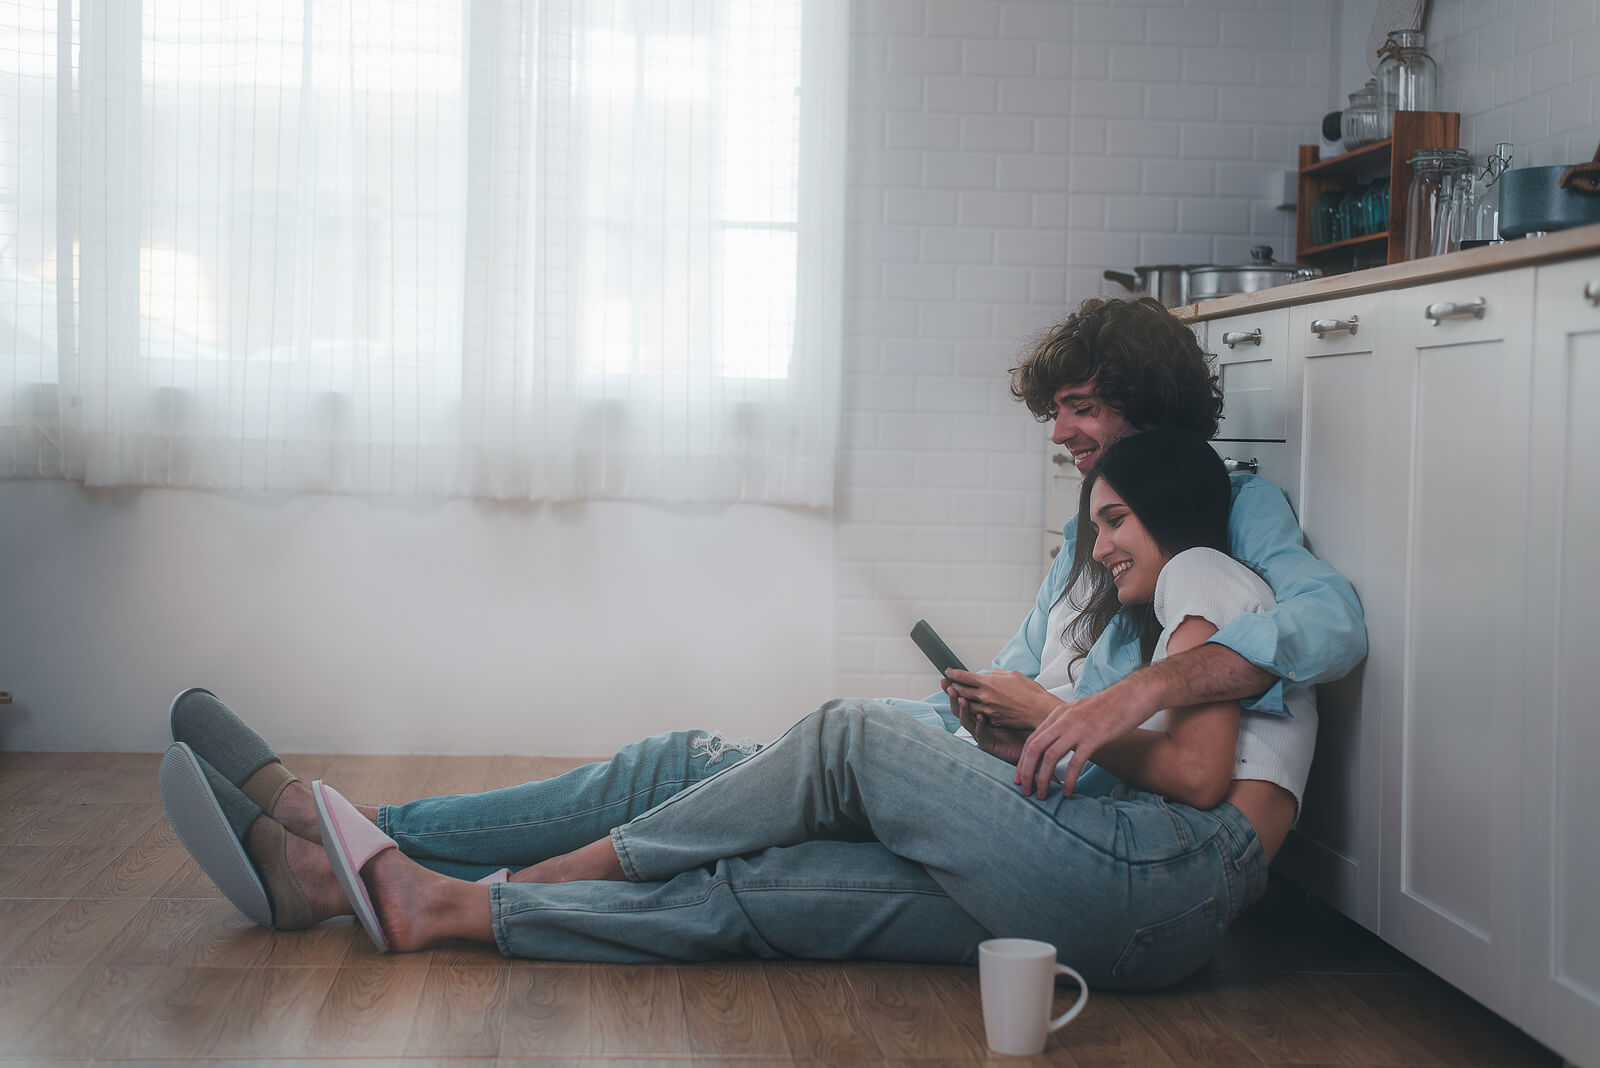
1251	465
1447	310
1592	292
1242	337
1061	458
1333	326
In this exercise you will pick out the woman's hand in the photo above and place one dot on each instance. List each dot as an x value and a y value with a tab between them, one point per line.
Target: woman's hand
1002	742
1006	699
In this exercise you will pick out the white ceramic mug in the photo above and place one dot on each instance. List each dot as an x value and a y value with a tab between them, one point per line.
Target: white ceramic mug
1018	979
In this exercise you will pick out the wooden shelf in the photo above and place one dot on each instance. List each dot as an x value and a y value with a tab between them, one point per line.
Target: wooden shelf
1390	159
1345	245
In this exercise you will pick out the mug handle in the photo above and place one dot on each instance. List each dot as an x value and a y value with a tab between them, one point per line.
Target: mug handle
1077	1006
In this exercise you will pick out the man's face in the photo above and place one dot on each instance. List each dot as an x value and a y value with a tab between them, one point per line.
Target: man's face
1085	425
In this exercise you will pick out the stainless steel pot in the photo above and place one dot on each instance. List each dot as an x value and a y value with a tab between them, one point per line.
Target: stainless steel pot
1167	282
1207	283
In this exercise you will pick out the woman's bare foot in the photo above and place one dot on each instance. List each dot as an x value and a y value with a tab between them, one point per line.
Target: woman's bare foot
308	863
418	908
298	812
596	861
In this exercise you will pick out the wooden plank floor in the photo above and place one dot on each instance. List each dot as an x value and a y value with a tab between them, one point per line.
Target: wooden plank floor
114	948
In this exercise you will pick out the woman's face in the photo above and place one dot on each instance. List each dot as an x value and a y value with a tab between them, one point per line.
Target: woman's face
1123	546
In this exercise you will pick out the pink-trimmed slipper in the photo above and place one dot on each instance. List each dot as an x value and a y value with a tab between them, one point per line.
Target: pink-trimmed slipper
351	840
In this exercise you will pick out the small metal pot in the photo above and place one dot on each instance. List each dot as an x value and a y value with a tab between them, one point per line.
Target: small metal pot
1167	282
1207	283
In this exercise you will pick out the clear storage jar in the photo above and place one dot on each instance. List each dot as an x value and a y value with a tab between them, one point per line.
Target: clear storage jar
1407	74
1364	121
1422	201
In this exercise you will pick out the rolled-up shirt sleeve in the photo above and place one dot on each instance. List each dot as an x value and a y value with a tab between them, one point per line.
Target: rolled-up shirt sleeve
1316	632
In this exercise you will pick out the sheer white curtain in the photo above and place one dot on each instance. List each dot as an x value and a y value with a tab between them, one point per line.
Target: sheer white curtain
505	248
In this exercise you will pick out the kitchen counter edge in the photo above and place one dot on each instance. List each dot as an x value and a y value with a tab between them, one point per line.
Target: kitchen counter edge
1561	245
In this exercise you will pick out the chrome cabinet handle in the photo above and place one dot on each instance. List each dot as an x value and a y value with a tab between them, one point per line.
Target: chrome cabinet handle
1061	458
1333	326
1447	310
1251	465
1242	337
1592	293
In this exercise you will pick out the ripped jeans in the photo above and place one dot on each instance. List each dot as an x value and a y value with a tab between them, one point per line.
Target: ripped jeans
467	836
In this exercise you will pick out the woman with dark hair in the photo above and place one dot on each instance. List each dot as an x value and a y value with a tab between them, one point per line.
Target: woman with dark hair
863	833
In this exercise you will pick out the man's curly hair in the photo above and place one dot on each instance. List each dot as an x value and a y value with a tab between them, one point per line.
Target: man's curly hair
1143	362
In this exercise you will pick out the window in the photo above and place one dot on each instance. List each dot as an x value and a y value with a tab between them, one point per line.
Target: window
490	248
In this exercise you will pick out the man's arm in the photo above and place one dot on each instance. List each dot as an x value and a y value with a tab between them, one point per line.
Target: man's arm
1193	765
1315	633
1204	675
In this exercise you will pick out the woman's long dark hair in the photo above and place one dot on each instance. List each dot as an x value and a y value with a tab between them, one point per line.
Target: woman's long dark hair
1176	485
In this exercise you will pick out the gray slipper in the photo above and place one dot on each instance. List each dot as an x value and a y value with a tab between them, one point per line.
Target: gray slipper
224	741
213	831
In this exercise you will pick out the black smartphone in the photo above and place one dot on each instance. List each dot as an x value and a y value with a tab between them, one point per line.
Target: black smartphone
934	648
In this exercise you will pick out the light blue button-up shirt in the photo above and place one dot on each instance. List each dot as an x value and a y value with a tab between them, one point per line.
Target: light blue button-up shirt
1315	634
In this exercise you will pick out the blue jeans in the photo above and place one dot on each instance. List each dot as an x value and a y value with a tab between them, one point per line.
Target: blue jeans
467	836
862	833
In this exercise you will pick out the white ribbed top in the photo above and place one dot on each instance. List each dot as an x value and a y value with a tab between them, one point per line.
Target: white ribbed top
1217	588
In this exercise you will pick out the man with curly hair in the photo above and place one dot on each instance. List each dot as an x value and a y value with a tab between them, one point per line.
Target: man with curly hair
1112	368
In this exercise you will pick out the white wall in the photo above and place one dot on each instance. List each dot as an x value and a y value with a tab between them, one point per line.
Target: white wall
971	121
1525	72
353	625
465	627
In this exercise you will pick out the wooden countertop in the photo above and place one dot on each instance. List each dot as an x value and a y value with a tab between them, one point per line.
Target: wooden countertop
1561	245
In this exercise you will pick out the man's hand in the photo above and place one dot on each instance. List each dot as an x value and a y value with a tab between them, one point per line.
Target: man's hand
1197	676
1082	727
1006	699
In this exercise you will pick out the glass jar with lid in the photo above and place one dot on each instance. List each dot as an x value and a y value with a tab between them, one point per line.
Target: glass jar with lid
1422	201
1457	202
1365	120
1407	74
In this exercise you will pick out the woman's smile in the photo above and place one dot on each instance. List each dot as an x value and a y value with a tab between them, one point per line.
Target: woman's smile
1123	546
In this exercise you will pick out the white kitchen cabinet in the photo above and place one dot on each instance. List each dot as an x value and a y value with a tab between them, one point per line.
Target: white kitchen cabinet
1457	367
1348	427
1448	464
1560	709
1253	367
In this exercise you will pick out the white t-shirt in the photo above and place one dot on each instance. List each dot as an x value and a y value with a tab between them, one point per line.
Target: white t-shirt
1217	588
1057	656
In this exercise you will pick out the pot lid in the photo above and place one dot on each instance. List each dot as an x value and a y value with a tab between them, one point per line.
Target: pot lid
1260	260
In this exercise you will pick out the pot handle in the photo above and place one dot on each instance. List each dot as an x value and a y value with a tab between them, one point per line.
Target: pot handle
1583	177
1126	281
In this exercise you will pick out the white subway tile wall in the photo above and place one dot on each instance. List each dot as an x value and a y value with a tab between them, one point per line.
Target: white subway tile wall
1003	155
1527	73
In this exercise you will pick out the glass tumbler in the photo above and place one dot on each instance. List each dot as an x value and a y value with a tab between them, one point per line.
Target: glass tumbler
1352	219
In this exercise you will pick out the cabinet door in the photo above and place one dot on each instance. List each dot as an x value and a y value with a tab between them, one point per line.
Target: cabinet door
1251	364
1348	428
1561	745
1452	749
